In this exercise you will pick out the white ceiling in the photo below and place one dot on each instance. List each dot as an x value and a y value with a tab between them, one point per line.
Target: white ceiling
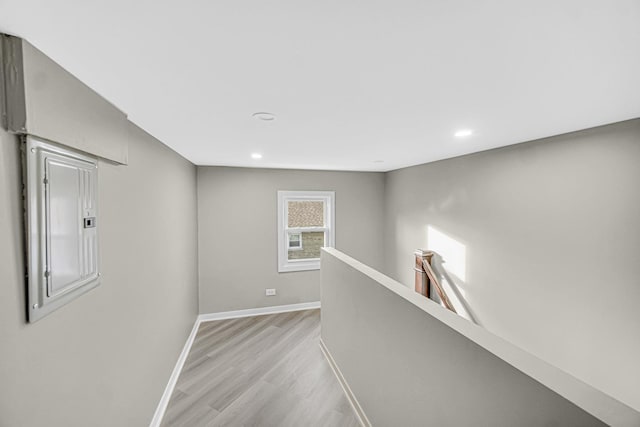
352	83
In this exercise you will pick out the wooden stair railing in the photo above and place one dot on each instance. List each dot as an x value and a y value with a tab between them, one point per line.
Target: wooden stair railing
424	275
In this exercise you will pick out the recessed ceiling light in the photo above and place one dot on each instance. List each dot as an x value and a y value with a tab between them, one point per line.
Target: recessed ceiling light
463	132
256	156
264	116
378	161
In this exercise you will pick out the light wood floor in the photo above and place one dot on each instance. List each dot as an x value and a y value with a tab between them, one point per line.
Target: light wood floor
259	371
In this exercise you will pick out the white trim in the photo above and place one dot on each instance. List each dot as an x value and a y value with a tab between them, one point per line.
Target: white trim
299	230
258	311
328	197
362	417
173	379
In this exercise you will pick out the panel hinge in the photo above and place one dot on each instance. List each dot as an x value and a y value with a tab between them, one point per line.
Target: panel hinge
45	181
46	274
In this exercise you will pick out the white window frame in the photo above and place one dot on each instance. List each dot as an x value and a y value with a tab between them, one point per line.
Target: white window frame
328	197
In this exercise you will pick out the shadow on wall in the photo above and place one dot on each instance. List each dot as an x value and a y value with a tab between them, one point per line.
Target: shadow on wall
450	264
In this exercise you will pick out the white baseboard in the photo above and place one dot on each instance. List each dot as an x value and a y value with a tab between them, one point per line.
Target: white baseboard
258	311
168	391
362	417
173	379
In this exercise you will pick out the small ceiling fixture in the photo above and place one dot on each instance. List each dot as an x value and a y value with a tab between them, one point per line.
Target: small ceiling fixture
256	156
264	116
463	132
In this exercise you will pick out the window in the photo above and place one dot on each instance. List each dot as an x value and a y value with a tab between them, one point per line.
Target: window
295	241
305	225
62	225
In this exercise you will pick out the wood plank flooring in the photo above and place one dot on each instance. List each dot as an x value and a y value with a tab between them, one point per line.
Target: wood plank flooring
259	371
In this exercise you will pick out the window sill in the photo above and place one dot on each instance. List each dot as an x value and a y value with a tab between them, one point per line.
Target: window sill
300	265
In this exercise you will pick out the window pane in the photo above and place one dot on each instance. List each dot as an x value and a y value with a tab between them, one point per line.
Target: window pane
306	213
312	241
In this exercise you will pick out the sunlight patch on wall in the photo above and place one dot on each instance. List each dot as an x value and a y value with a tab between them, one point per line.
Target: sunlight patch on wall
453	253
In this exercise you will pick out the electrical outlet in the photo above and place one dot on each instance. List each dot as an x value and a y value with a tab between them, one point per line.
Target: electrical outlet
270	292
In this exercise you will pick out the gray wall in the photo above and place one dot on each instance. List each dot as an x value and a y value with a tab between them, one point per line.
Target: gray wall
551	235
412	363
105	358
47	101
237	235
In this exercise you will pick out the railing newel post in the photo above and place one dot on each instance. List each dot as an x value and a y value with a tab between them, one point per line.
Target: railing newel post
421	278
425	276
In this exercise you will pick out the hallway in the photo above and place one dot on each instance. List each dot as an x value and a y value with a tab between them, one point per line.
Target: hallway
259	371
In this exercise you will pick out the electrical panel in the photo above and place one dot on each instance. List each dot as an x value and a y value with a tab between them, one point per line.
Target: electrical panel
62	225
